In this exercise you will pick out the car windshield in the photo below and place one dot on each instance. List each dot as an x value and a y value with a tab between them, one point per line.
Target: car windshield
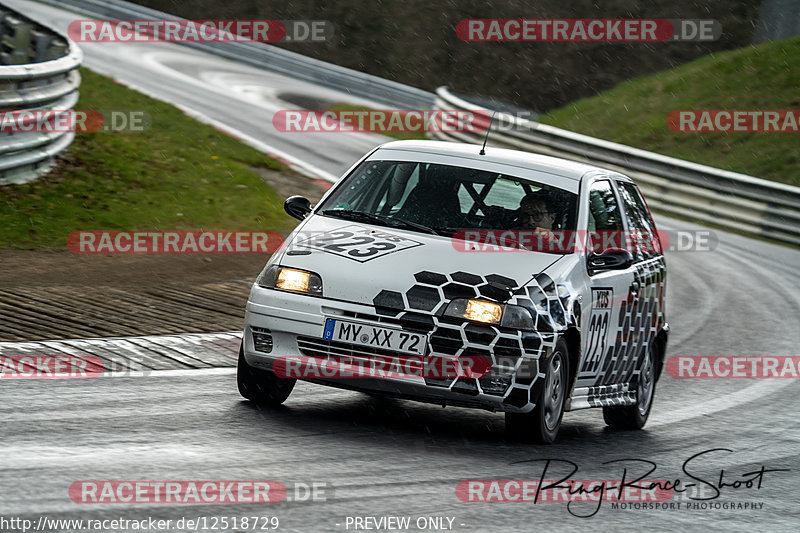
444	199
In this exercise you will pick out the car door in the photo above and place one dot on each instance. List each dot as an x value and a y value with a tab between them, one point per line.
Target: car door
644	315
602	328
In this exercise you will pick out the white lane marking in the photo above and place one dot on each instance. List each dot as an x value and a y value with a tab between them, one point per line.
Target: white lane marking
150	62
294	162
749	394
191	372
112	344
672	416
216	335
155	62
227	371
701	291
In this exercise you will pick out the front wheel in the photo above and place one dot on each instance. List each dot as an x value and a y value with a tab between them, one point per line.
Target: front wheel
635	416
261	386
542	424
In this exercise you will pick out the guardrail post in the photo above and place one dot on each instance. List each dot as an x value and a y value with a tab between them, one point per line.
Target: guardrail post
57	48
41	44
16	43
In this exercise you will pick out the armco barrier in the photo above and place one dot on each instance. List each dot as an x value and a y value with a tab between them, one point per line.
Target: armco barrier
672	186
38	70
270	57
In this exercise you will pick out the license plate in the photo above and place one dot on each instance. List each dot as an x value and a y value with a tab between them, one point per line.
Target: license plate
376	337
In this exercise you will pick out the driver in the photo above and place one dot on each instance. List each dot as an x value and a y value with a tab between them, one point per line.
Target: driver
534	213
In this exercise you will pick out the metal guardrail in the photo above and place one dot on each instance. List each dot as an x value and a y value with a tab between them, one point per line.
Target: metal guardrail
672	186
270	57
38	71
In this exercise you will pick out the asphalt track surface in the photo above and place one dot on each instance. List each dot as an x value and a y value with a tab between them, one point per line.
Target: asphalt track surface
382	458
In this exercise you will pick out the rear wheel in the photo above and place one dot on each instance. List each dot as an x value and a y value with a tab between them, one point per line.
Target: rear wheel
635	416
261	386
542	424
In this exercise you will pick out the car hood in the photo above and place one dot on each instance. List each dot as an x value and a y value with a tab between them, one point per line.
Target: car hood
357	261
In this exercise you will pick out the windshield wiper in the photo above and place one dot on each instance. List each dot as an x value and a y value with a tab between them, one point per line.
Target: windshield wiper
353	215
385	220
447	231
399	222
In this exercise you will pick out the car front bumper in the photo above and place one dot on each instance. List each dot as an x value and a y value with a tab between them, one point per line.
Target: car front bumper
294	324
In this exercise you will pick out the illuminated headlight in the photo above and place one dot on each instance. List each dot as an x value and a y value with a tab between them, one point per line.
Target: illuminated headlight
509	316
291	279
481	311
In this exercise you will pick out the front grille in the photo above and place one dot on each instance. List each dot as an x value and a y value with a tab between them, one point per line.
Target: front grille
385	321
314	347
335	350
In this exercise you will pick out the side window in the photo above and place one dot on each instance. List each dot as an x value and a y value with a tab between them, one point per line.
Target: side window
605	222
603	208
641	224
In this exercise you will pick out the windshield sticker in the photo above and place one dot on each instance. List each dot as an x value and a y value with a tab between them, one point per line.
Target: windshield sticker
358	243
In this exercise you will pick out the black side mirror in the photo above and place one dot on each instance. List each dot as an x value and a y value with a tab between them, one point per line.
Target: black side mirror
611	259
297	206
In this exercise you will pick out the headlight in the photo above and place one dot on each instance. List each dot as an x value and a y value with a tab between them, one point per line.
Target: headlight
291	279
486	312
481	311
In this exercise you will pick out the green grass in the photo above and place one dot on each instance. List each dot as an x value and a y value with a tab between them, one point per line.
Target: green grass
766	76
400	135
178	175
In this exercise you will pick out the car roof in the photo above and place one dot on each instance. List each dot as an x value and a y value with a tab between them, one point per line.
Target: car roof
552	165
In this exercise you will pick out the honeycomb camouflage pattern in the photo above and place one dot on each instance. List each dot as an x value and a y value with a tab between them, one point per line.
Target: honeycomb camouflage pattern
515	356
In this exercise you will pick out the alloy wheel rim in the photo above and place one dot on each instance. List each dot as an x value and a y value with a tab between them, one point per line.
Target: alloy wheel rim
645	388
554	391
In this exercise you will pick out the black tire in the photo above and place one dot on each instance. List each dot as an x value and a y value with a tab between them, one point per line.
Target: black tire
635	416
261	386
542	424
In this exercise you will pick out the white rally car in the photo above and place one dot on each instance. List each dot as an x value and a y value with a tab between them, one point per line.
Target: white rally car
426	253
